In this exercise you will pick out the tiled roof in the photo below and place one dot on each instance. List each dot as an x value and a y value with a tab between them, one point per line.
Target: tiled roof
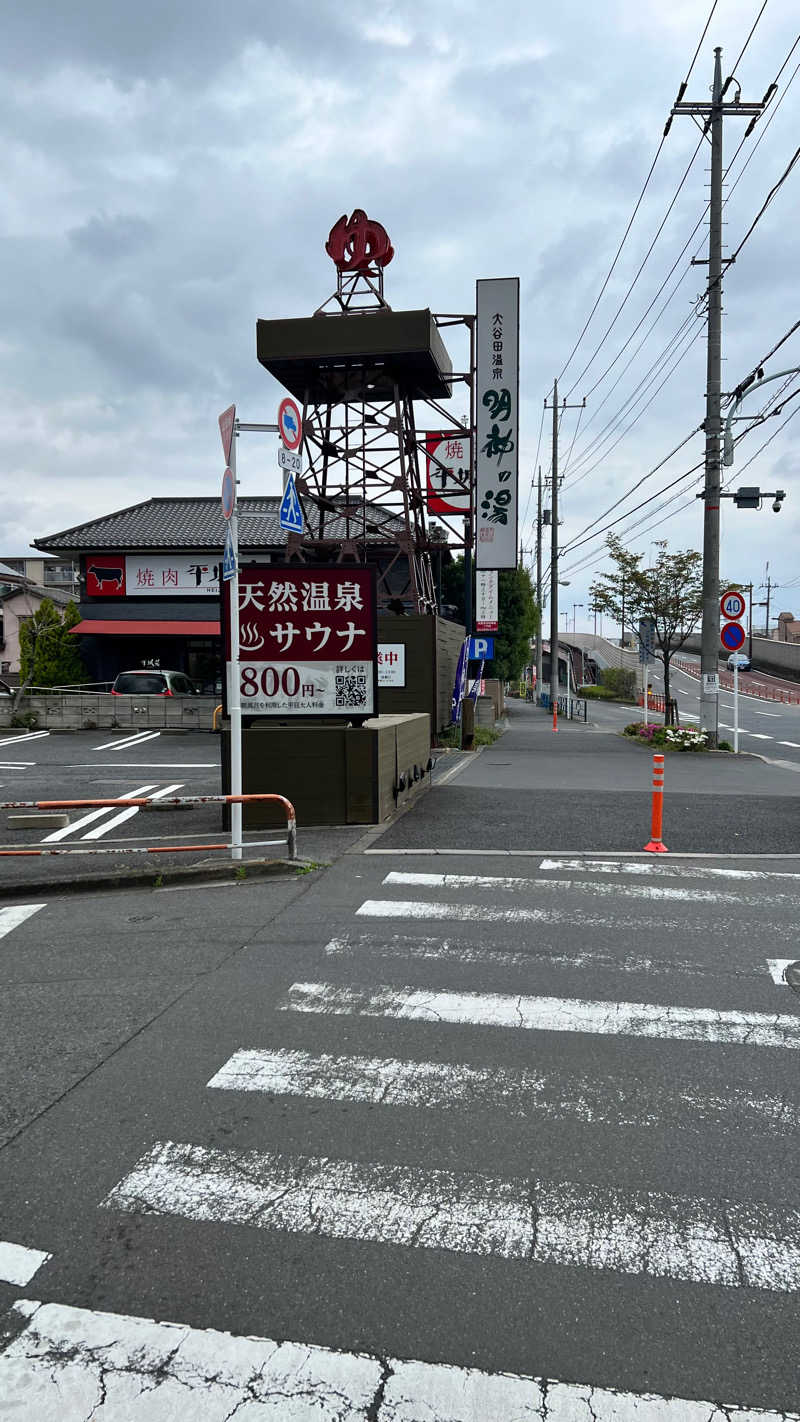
183	523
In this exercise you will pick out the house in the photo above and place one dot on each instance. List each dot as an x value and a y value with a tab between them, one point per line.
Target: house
149	578
20	598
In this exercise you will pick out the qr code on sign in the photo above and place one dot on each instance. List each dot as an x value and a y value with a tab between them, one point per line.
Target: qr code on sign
351	690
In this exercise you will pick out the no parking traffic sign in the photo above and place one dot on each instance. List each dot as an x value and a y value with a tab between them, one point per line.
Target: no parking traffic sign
732	636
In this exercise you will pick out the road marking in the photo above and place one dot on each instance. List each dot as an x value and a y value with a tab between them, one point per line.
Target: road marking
93	815
16	765
647	1233
794	744
759	736
11	918
128	742
624	891
399	945
128	814
29	736
776	714
561	1094
64	1359
549	1014
481	914
661	871
18	1264
145	765
776	968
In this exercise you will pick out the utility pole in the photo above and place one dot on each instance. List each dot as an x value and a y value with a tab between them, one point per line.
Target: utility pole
539	586
554	562
713	114
769	585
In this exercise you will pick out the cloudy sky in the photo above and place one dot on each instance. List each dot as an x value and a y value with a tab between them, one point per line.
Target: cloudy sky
170	171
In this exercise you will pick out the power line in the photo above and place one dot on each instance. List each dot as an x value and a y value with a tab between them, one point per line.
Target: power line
768	199
574	543
740	55
681	92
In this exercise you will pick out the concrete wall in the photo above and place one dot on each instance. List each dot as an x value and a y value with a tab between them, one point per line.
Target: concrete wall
75	711
782	658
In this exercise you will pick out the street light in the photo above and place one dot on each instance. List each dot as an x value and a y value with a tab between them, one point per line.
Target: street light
575	606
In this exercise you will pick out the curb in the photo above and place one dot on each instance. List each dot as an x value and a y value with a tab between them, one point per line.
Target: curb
203	873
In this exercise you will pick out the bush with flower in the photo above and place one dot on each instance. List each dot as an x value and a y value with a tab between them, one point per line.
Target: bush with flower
682	738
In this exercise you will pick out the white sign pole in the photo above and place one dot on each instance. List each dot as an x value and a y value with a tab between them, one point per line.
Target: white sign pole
234	689
736	705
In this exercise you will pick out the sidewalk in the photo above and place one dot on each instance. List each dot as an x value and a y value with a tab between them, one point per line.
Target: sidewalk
582	789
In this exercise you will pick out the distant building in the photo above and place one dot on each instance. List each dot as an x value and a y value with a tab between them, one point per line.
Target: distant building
788	629
58	573
20	598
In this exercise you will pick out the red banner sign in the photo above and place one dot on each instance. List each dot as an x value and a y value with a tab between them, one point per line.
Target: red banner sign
307	640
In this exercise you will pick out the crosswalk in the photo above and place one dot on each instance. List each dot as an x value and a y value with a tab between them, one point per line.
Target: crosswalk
436	1000
109	820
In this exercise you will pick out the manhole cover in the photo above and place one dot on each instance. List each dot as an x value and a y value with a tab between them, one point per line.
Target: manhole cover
792	976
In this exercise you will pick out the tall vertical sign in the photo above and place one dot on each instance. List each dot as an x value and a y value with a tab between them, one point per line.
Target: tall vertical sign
497	422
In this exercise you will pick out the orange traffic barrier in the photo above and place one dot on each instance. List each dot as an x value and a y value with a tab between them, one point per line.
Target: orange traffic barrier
656	844
139	802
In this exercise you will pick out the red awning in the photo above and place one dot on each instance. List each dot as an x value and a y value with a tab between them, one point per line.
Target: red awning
146	629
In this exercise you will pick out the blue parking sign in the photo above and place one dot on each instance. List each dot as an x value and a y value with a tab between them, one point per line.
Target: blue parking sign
481	649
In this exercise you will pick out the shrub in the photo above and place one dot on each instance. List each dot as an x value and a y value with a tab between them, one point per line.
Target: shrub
620	681
682	738
25	720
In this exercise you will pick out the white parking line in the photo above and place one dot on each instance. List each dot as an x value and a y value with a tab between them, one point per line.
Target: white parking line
93	815
30	736
128	814
11	918
128	741
775	714
62	1359
794	744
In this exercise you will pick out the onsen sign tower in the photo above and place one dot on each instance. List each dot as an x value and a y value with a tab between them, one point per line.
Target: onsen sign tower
359	368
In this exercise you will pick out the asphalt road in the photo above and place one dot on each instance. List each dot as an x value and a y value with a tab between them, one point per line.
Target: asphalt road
768	728
542	1121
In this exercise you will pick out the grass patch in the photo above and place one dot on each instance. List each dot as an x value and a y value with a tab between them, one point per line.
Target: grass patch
451	737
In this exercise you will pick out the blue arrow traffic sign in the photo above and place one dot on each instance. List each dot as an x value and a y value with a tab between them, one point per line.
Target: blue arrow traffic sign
291	514
228	558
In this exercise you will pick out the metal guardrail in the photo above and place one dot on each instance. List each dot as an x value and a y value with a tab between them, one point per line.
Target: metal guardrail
141	801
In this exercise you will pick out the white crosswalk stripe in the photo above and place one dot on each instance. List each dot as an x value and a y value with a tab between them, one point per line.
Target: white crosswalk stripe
512	925
577	1225
82	1360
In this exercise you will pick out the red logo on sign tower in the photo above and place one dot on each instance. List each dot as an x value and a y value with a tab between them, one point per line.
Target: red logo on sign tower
358	244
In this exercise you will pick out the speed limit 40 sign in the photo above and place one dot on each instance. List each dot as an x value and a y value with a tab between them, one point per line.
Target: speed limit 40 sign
733	605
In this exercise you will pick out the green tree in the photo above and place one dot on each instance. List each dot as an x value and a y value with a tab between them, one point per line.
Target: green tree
671	593
48	654
517	616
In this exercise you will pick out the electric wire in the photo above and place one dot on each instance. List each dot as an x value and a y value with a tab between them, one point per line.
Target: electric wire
770	195
681	92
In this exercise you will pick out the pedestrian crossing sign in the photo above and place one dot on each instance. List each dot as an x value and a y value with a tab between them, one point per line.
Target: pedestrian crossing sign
291	514
228	558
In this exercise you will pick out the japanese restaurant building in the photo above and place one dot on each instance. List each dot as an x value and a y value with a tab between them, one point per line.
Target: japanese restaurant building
150	581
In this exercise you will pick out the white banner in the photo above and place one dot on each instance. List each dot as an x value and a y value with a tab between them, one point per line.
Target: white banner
391	664
297	688
486	601
497	422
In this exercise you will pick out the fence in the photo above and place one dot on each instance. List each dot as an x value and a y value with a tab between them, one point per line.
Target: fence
70	710
140	802
578	707
748	685
656	702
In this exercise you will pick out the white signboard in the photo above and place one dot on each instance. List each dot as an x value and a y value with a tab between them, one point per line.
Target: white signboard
153	574
710	684
300	688
485	601
391	664
497	422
